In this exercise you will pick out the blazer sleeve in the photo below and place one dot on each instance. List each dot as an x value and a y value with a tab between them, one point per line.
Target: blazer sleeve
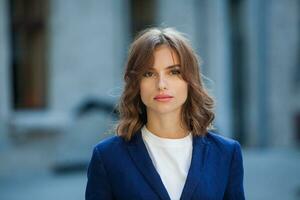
98	186
235	188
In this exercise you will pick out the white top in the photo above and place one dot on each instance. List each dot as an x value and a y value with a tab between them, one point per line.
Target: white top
171	159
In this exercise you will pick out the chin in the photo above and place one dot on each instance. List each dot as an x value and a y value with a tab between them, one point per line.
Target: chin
164	110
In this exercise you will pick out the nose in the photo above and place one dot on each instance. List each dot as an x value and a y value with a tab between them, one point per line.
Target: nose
162	82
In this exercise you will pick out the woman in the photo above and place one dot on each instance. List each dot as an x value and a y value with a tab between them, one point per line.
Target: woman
164	148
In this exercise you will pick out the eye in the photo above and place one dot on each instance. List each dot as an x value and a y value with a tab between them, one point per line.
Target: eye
148	74
175	72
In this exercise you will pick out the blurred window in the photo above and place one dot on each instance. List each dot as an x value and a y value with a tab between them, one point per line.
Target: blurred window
237	40
28	27
143	14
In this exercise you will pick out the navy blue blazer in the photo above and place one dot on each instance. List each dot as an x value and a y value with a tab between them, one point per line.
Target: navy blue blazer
123	170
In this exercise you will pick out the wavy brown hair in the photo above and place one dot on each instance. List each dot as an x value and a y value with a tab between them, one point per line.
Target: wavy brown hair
197	112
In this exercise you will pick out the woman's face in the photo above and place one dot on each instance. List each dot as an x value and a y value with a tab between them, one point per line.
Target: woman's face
162	88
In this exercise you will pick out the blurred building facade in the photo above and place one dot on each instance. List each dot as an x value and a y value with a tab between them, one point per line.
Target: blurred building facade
57	55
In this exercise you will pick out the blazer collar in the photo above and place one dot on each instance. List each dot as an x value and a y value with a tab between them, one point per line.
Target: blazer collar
142	160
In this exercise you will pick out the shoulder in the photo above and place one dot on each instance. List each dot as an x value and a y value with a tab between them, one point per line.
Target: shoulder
109	144
218	139
222	143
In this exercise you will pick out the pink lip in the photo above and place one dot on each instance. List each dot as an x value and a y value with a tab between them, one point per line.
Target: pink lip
163	98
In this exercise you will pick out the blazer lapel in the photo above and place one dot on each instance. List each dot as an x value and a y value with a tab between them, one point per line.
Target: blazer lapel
200	149
142	160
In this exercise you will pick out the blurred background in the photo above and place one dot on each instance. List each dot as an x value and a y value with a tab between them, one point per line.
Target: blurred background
61	65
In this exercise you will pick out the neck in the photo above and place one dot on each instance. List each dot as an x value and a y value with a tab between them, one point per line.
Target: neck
166	126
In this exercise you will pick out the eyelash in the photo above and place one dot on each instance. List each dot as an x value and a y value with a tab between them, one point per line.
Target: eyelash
147	74
173	72
176	71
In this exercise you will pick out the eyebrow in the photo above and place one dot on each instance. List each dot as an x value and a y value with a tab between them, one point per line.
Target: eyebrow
169	67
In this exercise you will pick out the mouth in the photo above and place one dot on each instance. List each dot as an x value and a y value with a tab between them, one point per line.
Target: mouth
163	98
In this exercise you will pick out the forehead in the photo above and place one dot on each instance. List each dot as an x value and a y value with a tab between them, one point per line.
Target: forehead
164	56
